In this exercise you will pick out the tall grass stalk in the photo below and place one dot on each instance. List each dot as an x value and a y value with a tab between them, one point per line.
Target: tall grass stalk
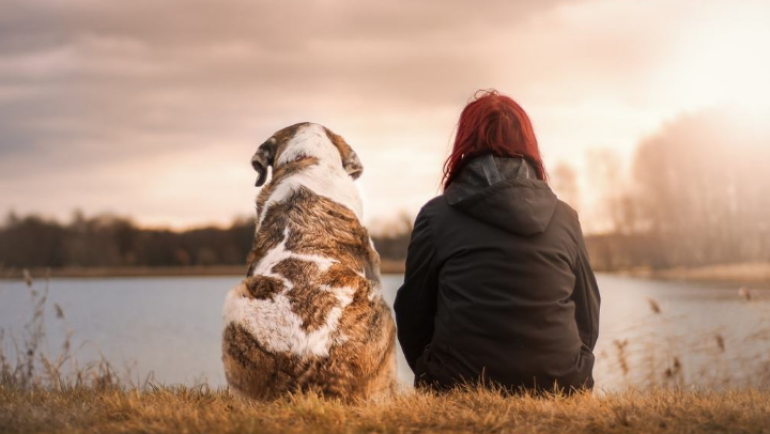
32	366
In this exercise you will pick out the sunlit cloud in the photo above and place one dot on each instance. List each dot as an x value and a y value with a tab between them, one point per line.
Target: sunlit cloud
153	110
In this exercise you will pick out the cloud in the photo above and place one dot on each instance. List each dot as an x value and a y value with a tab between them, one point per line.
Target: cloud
113	105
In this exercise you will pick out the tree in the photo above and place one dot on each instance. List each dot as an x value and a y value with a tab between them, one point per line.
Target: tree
701	183
564	181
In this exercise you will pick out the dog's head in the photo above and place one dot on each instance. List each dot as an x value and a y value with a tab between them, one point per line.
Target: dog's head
301	141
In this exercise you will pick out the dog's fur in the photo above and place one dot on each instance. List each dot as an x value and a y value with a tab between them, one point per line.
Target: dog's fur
309	315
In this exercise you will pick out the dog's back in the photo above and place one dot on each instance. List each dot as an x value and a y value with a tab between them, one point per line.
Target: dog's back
310	314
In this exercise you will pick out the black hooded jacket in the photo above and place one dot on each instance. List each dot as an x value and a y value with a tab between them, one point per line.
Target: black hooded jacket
498	285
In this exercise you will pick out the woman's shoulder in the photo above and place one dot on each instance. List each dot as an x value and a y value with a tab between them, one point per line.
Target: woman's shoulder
433	208
569	218
435	203
565	208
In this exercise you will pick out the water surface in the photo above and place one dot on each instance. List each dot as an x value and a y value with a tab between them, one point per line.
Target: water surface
171	327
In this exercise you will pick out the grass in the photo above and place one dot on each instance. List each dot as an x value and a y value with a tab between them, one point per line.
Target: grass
44	394
198	410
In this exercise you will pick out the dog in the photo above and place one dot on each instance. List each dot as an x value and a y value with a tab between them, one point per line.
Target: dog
310	315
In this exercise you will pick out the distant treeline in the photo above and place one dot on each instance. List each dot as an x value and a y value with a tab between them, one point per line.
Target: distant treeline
110	241
697	194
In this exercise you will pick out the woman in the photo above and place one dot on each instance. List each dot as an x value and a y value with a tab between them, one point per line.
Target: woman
498	287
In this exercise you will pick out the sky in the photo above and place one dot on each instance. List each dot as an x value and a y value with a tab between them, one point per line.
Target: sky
152	109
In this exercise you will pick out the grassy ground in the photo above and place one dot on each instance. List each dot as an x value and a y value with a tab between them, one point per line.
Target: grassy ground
183	410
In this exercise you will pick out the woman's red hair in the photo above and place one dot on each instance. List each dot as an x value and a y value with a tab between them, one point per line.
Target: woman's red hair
496	124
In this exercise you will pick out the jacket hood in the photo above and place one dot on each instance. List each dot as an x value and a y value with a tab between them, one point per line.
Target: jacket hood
503	192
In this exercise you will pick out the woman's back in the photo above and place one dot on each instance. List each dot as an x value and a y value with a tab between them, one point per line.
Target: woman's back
505	268
498	286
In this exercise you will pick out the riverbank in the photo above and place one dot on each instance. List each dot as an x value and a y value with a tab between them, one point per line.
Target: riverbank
387	267
757	273
198	410
747	273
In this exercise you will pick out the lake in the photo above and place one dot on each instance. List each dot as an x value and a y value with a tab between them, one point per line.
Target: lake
652	332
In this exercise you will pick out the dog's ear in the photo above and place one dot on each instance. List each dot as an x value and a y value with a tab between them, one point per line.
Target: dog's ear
350	160
353	165
263	159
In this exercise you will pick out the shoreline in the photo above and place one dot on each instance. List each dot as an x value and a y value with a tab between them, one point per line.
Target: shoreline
741	273
750	273
387	267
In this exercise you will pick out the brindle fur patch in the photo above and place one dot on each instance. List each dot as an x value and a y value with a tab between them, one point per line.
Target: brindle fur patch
319	226
271	236
309	302
263	287
357	370
279	174
275	372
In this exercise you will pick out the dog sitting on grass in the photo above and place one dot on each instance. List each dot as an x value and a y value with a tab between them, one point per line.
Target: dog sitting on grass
310	315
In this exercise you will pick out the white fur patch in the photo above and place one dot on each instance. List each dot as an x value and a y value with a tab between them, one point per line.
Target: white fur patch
273	322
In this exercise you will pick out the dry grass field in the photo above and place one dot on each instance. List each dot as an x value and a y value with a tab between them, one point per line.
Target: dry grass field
198	410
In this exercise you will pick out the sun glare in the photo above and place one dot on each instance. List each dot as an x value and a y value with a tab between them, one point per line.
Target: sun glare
725	59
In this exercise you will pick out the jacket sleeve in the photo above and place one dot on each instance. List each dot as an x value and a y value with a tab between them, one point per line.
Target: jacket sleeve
415	305
586	295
